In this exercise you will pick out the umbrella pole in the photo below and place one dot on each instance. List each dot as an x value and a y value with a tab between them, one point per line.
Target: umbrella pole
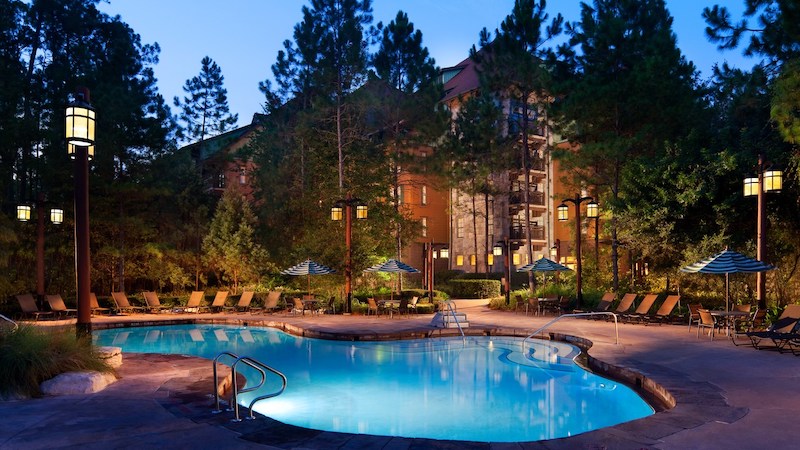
727	291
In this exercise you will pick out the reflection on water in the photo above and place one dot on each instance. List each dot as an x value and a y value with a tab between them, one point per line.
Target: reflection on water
481	390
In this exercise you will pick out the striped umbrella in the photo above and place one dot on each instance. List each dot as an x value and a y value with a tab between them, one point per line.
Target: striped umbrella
728	262
392	266
543	265
308	268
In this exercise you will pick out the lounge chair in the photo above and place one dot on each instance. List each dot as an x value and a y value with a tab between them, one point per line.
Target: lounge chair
58	307
694	314
602	305
784	330
193	304
29	309
95	306
643	309
123	305
625	304
153	303
244	302
412	304
219	301
270	303
665	311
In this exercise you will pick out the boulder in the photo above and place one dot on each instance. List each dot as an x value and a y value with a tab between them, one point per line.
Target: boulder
84	382
112	356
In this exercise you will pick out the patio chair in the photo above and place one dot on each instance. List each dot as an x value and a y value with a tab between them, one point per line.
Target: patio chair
372	306
534	306
244	302
123	305
58	307
784	330
707	321
743	308
94	305
300	307
665	311
749	325
642	310
520	305
193	305
219	301
153	303
412	304
29	309
694	314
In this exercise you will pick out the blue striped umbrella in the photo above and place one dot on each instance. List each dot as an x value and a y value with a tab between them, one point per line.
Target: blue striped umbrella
543	265
308	268
728	262
392	266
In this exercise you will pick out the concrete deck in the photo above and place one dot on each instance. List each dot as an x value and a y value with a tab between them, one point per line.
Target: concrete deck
727	397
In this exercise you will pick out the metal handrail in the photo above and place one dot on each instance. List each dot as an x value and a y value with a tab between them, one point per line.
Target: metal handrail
449	304
216	379
261	367
606	313
16	325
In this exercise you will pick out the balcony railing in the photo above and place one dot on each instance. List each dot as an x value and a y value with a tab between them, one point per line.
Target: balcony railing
536	163
517	197
518	232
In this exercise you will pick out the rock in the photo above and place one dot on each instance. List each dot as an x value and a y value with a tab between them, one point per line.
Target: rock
85	382
112	356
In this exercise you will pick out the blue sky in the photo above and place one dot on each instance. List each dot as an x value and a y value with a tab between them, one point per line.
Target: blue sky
244	36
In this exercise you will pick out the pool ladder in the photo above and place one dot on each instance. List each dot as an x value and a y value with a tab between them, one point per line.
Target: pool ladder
255	364
586	314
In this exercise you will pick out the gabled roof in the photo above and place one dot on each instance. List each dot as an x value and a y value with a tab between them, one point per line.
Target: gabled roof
205	149
465	79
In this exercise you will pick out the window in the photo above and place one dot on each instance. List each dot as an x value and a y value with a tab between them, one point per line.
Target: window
517	259
400	195
460	227
460	260
424	223
424	195
220	179
490	259
242	175
473	260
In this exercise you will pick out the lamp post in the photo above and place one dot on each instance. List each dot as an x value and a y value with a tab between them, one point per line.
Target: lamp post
80	128
56	217
344	209
504	248
766	181
563	216
593	212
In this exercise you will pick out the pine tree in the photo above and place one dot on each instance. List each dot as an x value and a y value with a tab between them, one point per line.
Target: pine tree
204	111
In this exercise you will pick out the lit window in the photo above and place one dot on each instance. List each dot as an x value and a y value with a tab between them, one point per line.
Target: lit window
242	175
220	183
400	195
517	258
424	223
424	195
460	260
490	259
473	260
460	227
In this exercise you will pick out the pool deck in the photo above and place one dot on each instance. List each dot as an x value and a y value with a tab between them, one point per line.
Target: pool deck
727	396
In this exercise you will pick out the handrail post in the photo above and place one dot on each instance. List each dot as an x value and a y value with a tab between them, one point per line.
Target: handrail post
216	379
606	313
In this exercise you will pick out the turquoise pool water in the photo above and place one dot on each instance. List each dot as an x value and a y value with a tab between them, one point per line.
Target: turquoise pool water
483	389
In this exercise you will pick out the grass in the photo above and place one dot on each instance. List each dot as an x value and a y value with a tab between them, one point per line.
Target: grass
31	355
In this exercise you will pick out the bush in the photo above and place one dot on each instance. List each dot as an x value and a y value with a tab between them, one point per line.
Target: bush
474	288
31	355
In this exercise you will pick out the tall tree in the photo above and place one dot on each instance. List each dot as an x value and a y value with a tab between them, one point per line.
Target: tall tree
626	92
512	67
204	111
411	114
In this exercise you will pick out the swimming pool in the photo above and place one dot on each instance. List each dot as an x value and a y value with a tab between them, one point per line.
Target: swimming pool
481	389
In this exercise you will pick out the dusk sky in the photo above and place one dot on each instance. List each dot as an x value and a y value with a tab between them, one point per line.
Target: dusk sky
244	36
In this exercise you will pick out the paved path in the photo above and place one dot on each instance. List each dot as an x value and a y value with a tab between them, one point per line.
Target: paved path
727	397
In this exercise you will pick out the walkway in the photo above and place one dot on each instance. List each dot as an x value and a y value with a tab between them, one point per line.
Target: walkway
727	396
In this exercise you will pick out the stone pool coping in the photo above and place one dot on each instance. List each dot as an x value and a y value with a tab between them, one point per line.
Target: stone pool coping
681	403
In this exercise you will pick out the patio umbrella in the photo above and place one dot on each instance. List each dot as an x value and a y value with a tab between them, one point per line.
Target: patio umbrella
392	266
543	265
728	262
308	268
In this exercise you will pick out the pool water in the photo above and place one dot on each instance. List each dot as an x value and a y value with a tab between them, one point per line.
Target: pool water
478	389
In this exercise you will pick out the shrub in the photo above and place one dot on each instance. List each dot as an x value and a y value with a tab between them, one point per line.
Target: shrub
31	355
474	288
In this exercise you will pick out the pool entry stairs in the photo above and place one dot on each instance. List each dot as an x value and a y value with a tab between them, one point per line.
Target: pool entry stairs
449	317
259	368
